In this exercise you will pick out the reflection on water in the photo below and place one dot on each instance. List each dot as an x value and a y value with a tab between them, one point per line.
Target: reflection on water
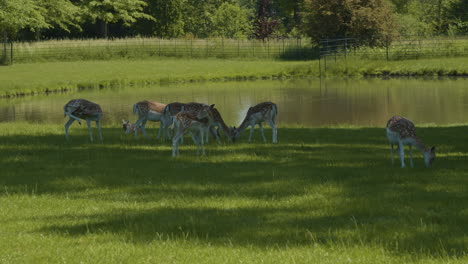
303	102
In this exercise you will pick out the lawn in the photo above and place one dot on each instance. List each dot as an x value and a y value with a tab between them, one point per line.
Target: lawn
36	78
322	195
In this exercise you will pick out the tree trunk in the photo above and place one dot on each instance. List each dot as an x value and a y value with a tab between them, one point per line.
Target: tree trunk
297	18
5	39
104	28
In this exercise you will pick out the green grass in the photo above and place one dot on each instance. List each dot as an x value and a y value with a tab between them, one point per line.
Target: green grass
34	78
322	195
352	67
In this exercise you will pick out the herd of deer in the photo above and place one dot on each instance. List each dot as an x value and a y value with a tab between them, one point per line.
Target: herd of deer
200	120
197	119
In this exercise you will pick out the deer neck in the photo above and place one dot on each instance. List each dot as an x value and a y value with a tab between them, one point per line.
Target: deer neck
223	125
415	141
244	123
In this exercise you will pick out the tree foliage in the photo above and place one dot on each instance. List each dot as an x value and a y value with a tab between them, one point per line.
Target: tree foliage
372	21
232	21
34	15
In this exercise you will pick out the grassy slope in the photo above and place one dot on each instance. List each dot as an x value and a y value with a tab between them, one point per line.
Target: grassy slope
30	78
56	76
322	195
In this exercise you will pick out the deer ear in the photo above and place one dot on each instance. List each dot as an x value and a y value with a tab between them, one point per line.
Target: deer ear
433	150
212	106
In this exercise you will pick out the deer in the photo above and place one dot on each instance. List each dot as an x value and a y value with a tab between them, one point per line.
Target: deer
196	123
262	112
78	109
147	110
402	131
219	122
173	109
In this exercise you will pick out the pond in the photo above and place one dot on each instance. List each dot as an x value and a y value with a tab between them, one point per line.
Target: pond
300	102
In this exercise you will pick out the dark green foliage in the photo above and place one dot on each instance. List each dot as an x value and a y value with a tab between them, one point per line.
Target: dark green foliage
372	21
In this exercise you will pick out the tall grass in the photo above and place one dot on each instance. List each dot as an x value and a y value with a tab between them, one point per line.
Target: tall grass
401	49
322	195
101	49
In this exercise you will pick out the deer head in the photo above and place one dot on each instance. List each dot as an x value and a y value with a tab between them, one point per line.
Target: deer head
429	156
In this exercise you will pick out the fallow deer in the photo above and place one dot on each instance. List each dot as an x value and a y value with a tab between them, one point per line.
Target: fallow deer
262	112
147	110
401	131
195	123
173	109
77	109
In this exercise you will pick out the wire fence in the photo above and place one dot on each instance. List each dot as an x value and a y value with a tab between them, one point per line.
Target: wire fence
403	48
99	49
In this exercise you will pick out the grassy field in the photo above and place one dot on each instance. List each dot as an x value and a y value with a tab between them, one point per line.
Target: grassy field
25	79
322	195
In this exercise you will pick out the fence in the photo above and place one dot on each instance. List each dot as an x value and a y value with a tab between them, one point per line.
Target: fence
6	53
405	47
98	49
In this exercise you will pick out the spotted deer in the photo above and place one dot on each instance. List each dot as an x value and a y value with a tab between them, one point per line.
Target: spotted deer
194	123
219	122
78	109
147	110
262	112
173	108
401	131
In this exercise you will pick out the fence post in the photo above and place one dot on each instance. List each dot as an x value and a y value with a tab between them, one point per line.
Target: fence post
191	48
238	48
159	48
11	55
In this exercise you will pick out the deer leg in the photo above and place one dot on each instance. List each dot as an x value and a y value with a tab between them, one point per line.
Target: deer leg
137	124
98	124
251	132
411	155
275	131
67	125
175	144
262	132
392	156
143	128
401	152
201	141
90	130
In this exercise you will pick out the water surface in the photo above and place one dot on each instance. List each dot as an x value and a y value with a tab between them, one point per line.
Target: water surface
300	102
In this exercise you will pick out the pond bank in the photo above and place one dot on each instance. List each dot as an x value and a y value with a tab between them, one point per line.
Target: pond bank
42	78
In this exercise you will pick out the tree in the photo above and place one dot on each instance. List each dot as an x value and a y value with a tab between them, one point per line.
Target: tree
372	21
231	21
16	15
112	11
168	18
266	21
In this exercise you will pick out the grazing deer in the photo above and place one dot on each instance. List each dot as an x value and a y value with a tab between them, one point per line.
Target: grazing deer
195	123
129	127
173	109
78	109
262	112
147	110
219	122
401	131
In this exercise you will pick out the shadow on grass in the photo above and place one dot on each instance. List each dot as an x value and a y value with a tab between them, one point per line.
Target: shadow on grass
339	183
